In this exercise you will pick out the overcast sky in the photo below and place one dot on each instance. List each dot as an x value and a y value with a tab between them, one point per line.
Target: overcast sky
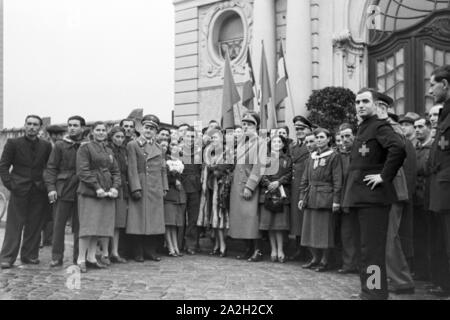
96	58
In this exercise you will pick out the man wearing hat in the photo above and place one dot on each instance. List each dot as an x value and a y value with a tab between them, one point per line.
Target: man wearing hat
377	155
244	195
300	156
55	133
62	183
407	123
147	179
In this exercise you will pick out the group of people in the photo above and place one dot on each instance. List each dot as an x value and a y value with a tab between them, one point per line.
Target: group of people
371	199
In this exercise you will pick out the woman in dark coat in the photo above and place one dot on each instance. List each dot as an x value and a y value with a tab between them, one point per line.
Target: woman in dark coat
175	199
320	190
276	185
99	184
116	139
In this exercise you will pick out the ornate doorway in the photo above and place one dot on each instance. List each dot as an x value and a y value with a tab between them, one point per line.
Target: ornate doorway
403	53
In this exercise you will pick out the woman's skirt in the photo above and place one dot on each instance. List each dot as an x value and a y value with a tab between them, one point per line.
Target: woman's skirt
318	228
274	221
174	214
96	216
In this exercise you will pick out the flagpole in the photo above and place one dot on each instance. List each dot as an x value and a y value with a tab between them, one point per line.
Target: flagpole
288	82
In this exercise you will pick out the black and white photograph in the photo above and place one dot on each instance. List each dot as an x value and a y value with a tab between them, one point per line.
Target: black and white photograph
224	156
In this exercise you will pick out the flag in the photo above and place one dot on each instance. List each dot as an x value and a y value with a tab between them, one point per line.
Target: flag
248	94
265	94
230	95
281	91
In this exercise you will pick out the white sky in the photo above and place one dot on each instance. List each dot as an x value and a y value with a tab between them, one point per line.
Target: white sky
96	58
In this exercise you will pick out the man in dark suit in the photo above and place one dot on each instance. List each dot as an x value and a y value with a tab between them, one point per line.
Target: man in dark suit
190	179
440	177
28	204
377	155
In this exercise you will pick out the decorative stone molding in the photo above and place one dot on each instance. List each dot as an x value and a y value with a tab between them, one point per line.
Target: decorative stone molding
211	64
352	52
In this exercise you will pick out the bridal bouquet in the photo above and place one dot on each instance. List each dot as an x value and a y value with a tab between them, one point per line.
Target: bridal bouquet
175	166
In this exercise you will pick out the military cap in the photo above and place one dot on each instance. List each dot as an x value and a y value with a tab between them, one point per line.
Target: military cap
406	118
151	119
55	129
384	98
300	121
252	117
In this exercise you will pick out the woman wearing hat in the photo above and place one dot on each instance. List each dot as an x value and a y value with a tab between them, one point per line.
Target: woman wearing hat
244	195
99	184
147	179
320	190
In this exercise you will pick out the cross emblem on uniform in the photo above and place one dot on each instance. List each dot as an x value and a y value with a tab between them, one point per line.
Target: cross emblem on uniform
443	143
364	150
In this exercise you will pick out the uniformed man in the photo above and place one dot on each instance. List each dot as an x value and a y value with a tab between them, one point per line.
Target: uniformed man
300	156
440	172
377	155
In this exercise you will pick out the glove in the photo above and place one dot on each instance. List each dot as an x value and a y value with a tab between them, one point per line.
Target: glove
136	195
101	193
113	193
52	196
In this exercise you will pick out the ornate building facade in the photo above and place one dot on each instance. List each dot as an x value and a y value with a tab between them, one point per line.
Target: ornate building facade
392	45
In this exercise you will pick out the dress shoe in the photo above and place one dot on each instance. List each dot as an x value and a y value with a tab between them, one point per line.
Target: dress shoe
190	252
246	255
214	252
82	266
6	265
282	259
439	292
223	254
56	263
273	258
179	254
139	259
402	291
256	257
173	254
95	265
154	258
29	261
105	260
310	265
347	271
322	267
117	259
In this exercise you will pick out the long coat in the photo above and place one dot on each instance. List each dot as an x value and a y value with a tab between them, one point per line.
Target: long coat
440	164
299	154
244	218
146	173
321	183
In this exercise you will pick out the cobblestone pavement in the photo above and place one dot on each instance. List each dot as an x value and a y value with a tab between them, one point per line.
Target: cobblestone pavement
188	277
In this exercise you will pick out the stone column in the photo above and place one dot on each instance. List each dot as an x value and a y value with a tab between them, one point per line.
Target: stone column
264	29
298	55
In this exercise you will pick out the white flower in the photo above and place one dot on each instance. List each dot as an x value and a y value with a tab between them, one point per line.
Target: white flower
175	166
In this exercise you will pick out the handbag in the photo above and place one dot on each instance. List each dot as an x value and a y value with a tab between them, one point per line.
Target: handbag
274	202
